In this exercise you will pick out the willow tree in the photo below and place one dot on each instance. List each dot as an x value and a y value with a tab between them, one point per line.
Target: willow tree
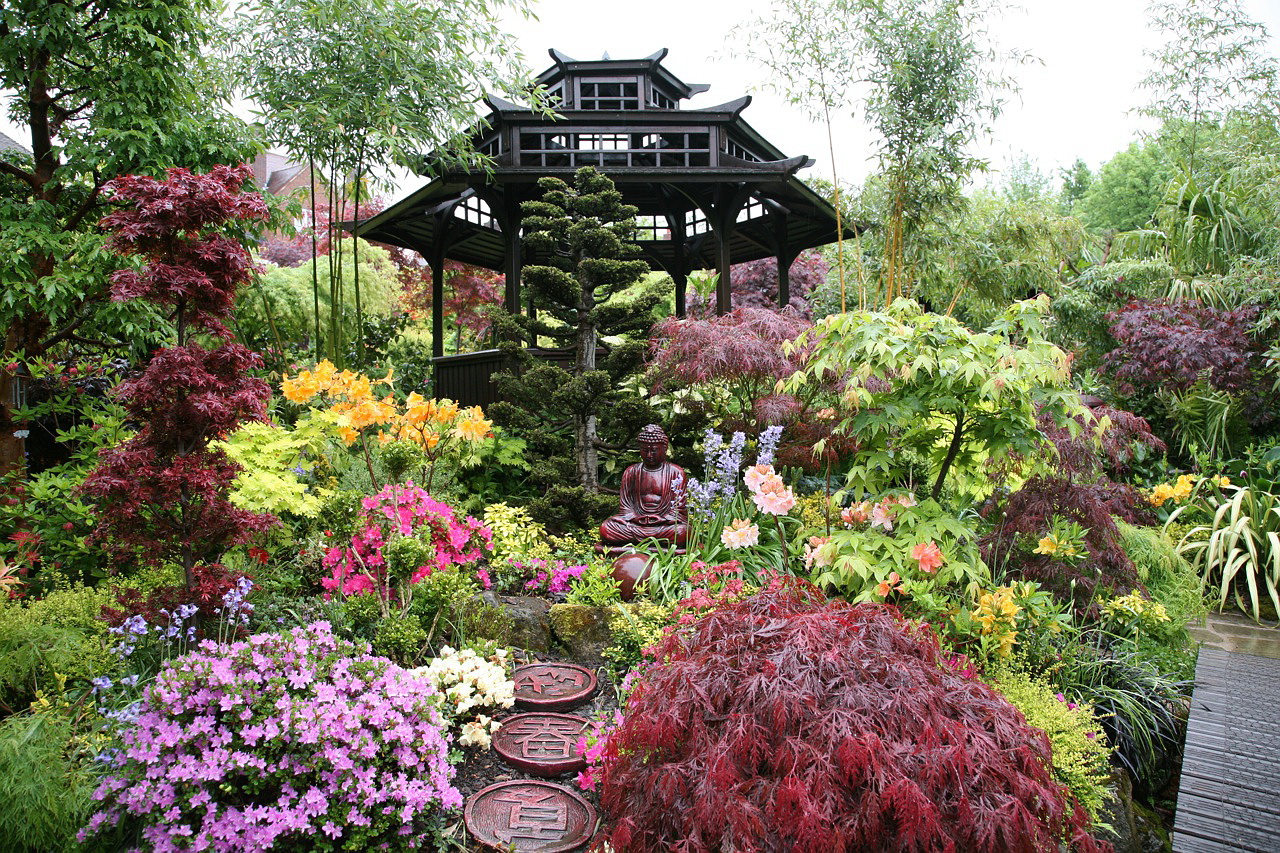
352	86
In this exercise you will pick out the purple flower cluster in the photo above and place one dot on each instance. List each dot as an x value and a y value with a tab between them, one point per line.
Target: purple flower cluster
723	462
768	444
548	579
281	741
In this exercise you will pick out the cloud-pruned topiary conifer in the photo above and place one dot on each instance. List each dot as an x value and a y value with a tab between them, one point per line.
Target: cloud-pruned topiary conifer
790	722
162	495
591	305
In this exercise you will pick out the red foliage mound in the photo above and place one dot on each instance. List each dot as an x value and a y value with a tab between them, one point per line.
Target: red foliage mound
163	493
790	722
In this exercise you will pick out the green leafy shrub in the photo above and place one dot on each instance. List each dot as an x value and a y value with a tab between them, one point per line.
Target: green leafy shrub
62	633
872	541
595	587
1167	575
1079	749
636	626
272	477
516	536
46	782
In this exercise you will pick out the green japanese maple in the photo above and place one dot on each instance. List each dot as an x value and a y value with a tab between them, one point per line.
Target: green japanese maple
922	386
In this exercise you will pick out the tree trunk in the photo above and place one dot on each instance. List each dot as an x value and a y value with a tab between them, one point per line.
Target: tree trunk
954	450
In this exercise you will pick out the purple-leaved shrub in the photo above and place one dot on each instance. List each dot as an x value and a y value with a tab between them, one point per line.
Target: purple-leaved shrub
295	741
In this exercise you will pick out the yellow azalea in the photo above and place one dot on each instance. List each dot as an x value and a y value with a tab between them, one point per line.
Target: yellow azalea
1048	546
1005	647
348	435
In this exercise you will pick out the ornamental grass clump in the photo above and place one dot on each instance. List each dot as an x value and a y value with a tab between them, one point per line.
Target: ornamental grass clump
295	741
789	722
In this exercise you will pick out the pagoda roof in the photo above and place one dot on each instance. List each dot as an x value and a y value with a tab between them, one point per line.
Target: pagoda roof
691	173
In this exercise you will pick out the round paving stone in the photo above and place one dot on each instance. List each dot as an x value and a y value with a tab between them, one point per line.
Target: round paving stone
530	815
553	686
540	743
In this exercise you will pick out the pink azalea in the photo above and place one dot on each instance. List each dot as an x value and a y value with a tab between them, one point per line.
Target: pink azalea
857	513
740	534
882	516
813	552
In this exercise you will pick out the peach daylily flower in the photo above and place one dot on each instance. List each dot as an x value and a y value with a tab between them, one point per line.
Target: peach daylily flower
929	555
740	534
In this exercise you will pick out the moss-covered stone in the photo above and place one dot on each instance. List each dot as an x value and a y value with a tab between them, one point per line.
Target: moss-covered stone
583	631
510	620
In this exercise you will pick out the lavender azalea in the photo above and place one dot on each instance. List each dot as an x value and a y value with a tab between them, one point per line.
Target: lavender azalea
294	741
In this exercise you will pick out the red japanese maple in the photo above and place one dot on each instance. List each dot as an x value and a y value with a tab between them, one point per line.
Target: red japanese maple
787	722
162	495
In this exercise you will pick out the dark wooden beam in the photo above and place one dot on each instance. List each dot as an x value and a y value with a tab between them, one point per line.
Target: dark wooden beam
722	217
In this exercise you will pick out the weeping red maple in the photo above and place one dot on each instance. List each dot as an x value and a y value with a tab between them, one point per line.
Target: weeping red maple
162	495
787	722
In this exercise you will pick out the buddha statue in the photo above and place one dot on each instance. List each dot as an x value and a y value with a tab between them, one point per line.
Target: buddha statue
651	498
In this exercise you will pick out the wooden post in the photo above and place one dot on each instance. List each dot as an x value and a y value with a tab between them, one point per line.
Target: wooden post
512	261
722	217
438	243
724	265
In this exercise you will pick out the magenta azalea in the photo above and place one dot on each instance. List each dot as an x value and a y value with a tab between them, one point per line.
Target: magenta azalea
403	510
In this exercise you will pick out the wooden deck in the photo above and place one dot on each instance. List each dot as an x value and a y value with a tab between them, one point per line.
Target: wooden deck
1229	795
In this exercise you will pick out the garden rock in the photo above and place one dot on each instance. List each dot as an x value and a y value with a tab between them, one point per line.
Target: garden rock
583	631
1119	814
529	625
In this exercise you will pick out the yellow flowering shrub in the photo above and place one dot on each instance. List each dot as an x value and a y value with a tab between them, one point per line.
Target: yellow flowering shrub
438	427
1080	754
1133	613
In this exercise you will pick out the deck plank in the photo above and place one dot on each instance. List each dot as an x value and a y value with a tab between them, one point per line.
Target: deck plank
1229	792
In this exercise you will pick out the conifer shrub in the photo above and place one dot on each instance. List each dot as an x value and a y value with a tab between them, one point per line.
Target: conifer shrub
785	721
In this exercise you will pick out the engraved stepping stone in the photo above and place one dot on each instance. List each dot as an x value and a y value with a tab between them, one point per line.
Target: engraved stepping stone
541	743
530	815
553	686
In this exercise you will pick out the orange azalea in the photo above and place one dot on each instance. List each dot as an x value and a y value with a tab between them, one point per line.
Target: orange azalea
446	411
892	584
929	555
473	428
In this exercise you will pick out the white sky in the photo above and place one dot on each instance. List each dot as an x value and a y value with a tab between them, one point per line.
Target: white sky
1075	102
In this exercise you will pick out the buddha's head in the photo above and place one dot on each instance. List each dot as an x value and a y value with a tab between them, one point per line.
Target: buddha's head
653	445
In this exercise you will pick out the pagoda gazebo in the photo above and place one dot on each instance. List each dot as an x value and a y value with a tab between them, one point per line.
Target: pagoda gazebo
710	190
